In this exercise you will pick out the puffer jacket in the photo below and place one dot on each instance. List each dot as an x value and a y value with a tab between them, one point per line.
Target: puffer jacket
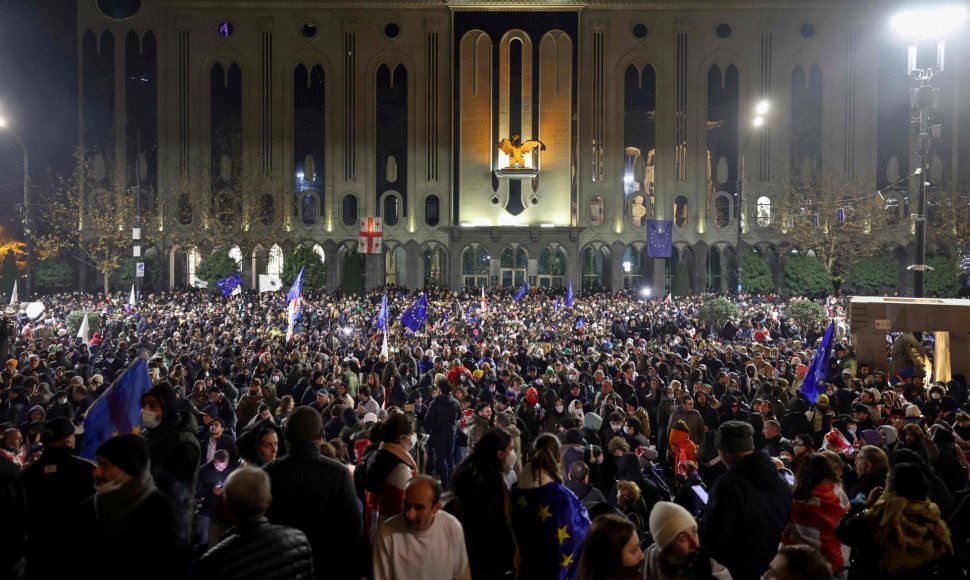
746	515
258	549
175	454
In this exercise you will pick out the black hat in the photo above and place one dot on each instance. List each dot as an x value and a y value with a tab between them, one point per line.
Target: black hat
734	437
323	391
128	453
57	429
305	425
860	408
210	410
948	403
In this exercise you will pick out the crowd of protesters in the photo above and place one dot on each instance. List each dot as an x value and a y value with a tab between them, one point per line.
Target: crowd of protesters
614	438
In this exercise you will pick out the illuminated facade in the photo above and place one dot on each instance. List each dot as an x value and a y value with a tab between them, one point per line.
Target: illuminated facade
337	111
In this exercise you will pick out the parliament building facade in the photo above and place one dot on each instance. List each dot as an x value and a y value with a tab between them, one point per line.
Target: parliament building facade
252	127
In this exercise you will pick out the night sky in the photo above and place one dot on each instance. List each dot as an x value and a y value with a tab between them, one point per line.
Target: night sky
38	96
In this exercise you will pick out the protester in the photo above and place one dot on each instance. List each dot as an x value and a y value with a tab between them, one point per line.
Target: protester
253	548
421	541
676	552
611	550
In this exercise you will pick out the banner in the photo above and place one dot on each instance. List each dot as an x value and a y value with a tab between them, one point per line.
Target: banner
659	238
370	239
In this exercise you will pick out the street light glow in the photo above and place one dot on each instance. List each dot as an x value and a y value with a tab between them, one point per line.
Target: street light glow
758	121
927	23
3	123
645	292
762	107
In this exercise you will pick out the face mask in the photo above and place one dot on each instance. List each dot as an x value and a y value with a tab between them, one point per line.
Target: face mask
559	408
276	379
414	440
491	389
61	400
554	381
937	396
510	460
149	419
109	486
852	430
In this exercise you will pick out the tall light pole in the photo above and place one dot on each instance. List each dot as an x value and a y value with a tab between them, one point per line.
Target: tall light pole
926	27
757	122
28	234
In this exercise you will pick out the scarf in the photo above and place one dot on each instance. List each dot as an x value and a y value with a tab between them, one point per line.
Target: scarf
114	507
401	453
911	533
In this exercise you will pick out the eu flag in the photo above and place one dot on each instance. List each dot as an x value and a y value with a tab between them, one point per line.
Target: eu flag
521	292
415	316
382	317
659	238
231	284
293	299
118	410
569	294
817	371
553	522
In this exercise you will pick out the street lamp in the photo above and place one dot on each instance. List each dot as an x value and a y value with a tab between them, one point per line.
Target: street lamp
926	27
28	235
627	266
760	109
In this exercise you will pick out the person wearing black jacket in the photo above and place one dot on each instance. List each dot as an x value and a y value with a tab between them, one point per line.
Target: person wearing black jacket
441	423
315	494
748	506
253	547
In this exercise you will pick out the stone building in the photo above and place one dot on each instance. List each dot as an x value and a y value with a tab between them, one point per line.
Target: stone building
325	112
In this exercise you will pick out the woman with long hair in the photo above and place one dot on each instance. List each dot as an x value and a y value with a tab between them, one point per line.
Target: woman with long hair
546	516
483	504
817	508
612	550
386	470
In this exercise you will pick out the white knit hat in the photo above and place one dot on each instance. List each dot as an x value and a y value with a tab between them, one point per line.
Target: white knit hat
667	520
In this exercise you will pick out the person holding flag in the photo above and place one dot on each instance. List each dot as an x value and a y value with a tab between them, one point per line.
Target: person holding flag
414	317
521	292
382	325
814	383
294	298
231	285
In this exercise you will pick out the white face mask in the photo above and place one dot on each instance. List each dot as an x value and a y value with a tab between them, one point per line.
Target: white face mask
510	460
852	430
149	419
109	486
559	408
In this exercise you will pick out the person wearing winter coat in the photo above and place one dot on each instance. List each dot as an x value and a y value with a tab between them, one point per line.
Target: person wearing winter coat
688	414
173	448
817	509
748	508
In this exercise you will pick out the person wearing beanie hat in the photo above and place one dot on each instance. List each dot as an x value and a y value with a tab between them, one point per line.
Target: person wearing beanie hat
55	484
316	495
748	507
174	449
676	551
129	521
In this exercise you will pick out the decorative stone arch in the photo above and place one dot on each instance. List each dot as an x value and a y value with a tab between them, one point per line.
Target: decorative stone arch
435	268
602	255
350	266
225	56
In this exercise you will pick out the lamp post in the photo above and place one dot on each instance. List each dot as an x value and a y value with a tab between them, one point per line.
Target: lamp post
760	110
28	234
627	266
926	27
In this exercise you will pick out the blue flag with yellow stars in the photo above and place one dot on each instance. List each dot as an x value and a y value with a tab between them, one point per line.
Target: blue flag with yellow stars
659	238
555	521
415	316
118	410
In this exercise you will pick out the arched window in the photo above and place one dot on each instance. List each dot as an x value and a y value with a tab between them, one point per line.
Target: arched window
192	264
319	251
592	265
714	270
435	267
514	262
680	211
236	254
185	209
892	211
395	265
432	210
274	267
597	210
632	275
309	208
722	211
552	267
350	210
390	209
475	266
763	211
